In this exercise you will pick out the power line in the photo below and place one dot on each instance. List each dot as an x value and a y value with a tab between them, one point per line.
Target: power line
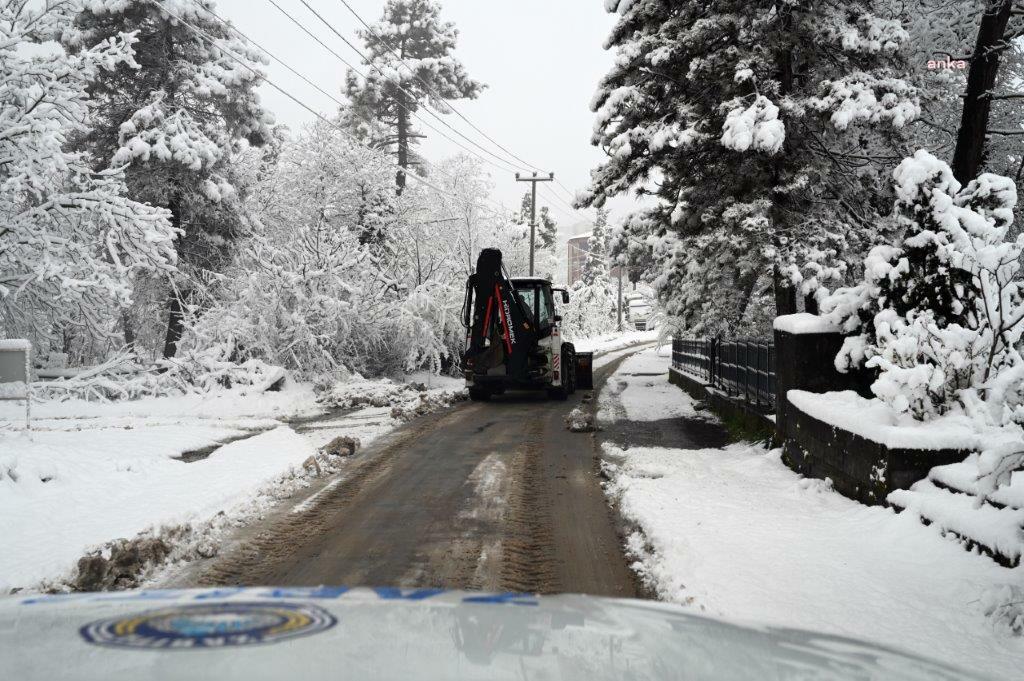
571	194
212	41
434	92
411	112
555	198
237	31
397	85
451	106
231	27
499	208
356	70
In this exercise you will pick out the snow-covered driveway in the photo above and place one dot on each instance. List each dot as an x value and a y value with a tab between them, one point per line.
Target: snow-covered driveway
733	532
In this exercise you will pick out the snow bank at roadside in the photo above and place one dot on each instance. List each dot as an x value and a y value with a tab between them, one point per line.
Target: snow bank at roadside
64	500
91	473
614	341
735	533
293	401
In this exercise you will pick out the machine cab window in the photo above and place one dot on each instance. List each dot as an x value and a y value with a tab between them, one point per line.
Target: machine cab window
536	297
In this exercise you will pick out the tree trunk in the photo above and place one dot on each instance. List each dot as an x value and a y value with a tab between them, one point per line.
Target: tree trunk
175	316
175	326
129	330
811	304
970	139
785	294
403	144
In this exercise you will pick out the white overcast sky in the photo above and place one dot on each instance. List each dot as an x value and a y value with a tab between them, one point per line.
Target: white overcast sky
541	59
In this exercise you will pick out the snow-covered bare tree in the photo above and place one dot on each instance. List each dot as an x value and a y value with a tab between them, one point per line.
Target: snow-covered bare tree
175	124
70	239
411	65
306	291
760	128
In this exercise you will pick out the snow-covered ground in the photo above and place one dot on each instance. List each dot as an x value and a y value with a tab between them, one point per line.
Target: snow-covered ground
613	342
733	532
92	472
643	390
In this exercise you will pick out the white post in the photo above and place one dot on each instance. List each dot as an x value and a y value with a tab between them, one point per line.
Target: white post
28	390
13	374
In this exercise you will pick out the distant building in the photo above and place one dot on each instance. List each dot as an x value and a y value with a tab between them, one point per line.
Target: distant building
578	247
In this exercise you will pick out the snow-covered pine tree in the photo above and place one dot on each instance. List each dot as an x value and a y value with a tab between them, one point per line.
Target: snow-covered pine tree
547	230
760	127
411	65
175	123
595	266
70	240
523	218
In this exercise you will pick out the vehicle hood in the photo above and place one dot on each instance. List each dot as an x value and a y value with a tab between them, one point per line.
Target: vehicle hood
369	634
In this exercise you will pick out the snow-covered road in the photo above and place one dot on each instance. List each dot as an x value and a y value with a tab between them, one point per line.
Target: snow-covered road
733	532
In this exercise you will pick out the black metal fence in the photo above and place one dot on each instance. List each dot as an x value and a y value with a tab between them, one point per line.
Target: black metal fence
741	368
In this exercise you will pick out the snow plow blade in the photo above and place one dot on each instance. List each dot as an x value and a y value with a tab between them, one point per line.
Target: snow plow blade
585	370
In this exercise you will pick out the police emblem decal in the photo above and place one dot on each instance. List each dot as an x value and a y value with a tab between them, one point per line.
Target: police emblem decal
209	625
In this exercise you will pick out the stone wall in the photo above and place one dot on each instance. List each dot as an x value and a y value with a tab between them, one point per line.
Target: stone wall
859	468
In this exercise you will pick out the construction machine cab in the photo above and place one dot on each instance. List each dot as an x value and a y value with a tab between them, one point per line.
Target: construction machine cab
538	299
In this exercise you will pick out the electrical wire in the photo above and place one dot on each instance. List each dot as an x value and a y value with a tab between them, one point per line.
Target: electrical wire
499	208
213	42
434	92
451	106
228	25
399	87
344	61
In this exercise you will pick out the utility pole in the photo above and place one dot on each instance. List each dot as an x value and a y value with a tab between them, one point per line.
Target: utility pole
533	208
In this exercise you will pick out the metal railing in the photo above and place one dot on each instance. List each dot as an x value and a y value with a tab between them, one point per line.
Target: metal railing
741	368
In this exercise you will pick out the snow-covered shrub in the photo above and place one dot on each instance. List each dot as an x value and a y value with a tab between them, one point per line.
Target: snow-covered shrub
591	309
1004	605
941	315
329	284
192	372
70	240
428	326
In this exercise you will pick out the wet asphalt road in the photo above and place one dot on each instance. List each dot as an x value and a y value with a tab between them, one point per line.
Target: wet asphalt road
497	496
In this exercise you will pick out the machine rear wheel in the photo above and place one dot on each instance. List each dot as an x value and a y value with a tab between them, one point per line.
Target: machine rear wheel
558	393
479	394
